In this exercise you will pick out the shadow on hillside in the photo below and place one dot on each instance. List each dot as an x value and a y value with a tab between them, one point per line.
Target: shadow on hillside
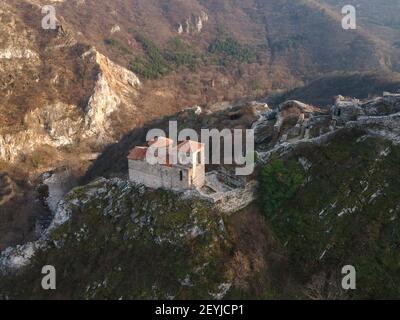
320	92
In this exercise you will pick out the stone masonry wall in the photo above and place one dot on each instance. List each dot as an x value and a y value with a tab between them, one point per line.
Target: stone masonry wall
200	177
158	176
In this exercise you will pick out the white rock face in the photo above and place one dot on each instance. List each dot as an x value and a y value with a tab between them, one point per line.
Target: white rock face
60	124
180	29
113	87
223	290
55	125
13	259
199	25
17	53
101	105
194	24
115	29
16	258
387	127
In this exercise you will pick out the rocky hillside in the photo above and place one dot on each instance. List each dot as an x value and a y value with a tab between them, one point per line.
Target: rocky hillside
114	240
361	85
110	68
327	198
56	91
81	96
336	205
378	18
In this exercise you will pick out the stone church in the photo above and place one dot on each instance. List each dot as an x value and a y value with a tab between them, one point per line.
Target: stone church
176	167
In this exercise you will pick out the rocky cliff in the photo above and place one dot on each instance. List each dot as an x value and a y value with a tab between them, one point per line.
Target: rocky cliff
327	177
328	199
111	219
93	97
60	124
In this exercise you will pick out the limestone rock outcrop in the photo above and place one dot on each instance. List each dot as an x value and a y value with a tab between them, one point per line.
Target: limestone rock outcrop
61	124
194	24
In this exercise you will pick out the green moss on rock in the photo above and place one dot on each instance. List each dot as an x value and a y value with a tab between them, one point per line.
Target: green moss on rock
345	212
125	241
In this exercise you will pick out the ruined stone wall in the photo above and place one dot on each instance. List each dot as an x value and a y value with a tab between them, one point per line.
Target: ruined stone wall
238	199
200	178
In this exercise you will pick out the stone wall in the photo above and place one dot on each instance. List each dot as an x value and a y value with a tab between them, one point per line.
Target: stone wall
200	178
158	176
238	199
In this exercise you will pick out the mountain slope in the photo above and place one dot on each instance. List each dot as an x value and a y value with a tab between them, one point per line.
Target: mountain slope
185	53
361	85
112	70
121	241
342	210
380	18
321	206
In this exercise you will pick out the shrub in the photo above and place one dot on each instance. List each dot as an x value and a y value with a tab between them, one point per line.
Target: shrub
153	65
158	62
180	54
279	183
231	49
115	43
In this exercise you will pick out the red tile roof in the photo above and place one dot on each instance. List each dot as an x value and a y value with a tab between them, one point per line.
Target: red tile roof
161	142
191	146
139	153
